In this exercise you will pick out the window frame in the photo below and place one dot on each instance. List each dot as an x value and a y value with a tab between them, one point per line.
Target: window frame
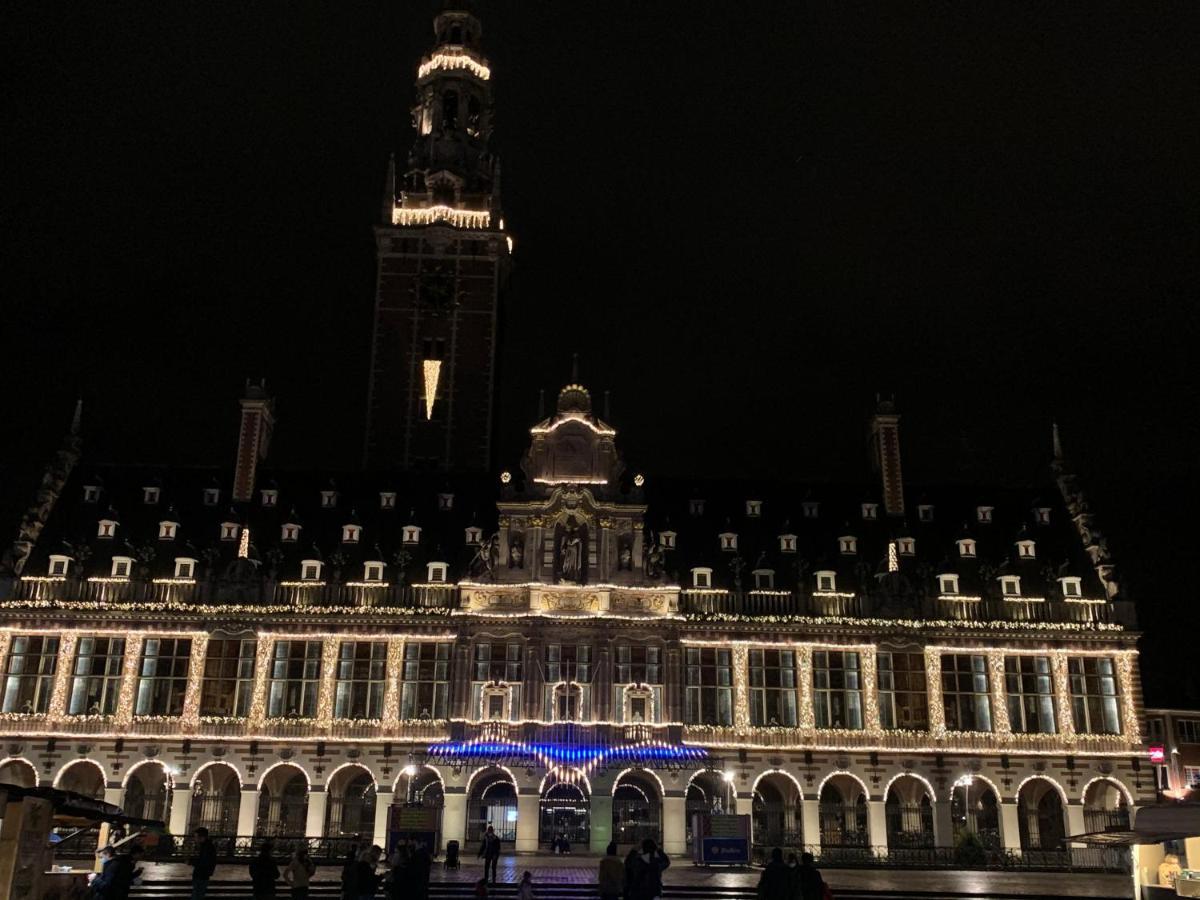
969	701
162	679
226	670
837	686
28	692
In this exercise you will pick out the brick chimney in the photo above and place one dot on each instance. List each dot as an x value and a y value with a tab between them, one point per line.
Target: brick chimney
254	438
885	454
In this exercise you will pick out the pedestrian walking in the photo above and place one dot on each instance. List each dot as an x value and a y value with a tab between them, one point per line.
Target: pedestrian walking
776	880
489	850
812	885
264	873
203	862
644	873
610	877
299	873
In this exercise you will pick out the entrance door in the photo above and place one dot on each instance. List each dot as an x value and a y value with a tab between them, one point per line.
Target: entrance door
565	813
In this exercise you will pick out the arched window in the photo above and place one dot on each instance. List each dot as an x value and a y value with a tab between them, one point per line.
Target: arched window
449	110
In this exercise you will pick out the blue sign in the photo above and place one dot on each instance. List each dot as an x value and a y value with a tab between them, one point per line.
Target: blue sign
730	851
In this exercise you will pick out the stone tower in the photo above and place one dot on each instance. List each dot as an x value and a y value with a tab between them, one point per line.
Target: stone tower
443	260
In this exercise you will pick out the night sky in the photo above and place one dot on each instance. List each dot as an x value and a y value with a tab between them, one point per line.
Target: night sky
746	218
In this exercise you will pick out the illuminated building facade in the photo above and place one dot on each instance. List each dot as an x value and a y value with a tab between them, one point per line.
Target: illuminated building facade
574	648
442	269
1173	742
564	647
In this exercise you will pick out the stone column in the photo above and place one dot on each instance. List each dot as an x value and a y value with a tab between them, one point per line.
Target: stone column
247	811
329	664
674	823
672	682
318	801
527	823
391	691
454	817
602	682
1010	829
181	807
877	826
460	684
62	676
130	670
810	818
1075	823
600	822
383	808
191	697
943	824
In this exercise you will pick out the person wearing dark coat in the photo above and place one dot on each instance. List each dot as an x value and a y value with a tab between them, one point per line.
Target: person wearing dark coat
115	878
203	863
644	872
489	849
812	885
776	880
264	873
348	891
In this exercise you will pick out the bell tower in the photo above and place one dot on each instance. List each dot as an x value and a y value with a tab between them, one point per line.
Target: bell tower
443	260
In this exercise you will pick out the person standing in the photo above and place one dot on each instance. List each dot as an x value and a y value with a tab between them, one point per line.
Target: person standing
489	849
264	873
299	873
203	863
776	881
115	876
812	885
422	863
525	889
348	891
644	873
611	875
365	881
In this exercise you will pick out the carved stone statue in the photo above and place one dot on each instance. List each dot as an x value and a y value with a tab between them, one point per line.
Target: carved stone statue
484	563
570	556
516	552
654	559
625	558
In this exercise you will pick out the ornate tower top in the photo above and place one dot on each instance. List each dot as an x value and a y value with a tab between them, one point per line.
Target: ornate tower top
451	175
573	446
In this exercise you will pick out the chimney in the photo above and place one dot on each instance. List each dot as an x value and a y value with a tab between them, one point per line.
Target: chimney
885	447
254	438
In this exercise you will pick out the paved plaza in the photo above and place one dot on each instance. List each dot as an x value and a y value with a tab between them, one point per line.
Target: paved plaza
581	869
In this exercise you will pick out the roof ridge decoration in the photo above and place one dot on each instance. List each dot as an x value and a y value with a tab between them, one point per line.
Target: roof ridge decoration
1094	541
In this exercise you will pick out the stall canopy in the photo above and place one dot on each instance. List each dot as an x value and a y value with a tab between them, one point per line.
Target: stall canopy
1152	825
75	810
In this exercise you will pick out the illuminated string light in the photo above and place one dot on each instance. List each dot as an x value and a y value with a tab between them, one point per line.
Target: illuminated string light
244	544
451	60
432	369
430	215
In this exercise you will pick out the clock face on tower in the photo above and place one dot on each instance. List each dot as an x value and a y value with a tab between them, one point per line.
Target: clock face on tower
435	291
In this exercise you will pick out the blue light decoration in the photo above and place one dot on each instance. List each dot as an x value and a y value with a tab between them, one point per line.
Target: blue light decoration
643	754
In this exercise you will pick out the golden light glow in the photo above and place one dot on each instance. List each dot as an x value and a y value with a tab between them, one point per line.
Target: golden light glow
244	544
459	218
432	369
449	60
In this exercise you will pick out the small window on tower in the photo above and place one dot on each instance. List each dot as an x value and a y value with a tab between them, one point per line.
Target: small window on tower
412	534
1072	586
984	513
966	547
848	545
59	564
870	511
329	499
696	507
948	584
753	508
107	529
167	530
122	566
350	533
826	580
764	579
787	543
906	546
91	493
229	531
666	540
290	533
1043	515
702	577
1010	585
728	542
925	512
812	509
445	502
310	570
387	499
450	110
150	495
212	496
437	572
270	497
185	567
1026	550
474	535
373	571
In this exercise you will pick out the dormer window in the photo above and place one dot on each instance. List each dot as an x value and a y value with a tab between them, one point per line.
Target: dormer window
1025	550
310	570
411	534
122	566
948	584
91	493
150	495
966	548
1010	585
167	530
212	496
870	511
1042	514
270	497
350	533
811	509
474	535
696	507
59	564
701	577
290	533
983	514
764	579
387	499
445	502
848	545
925	512
373	571
1072	586
185	567
229	531
329	499
753	508
666	540
107	529
906	546
436	572
728	542
787	543
826	580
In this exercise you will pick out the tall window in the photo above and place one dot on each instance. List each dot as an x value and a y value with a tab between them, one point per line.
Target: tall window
162	679
642	665
295	679
708	697
29	676
1030	687
1094	695
228	681
425	693
498	662
1187	730
837	689
965	697
568	682
903	696
773	684
361	680
96	681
